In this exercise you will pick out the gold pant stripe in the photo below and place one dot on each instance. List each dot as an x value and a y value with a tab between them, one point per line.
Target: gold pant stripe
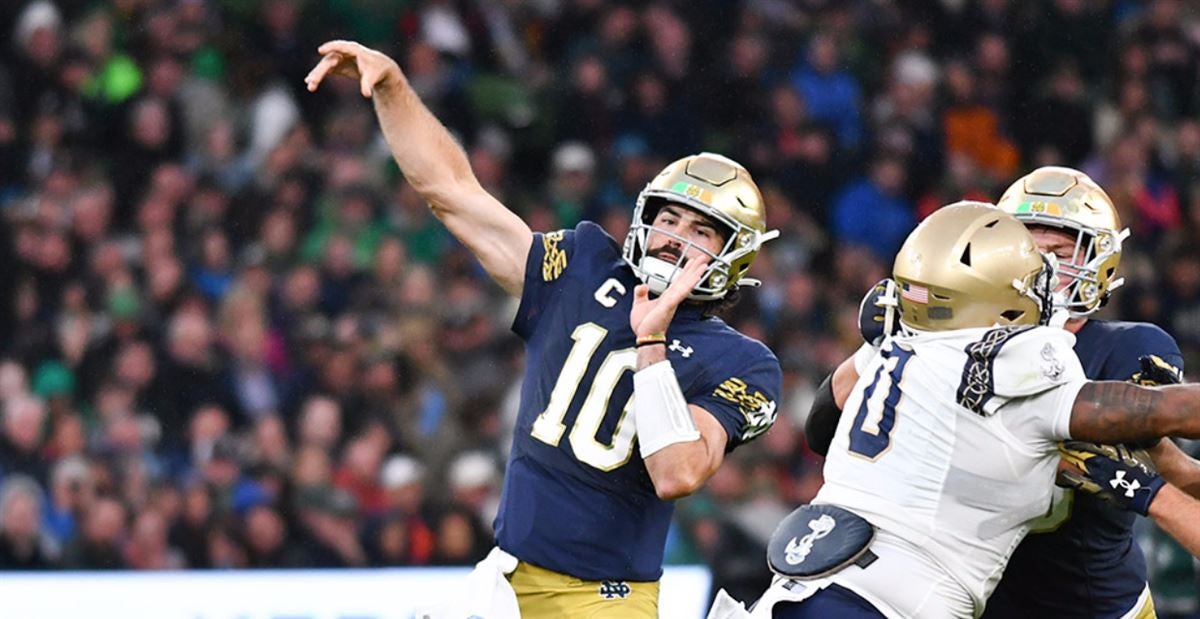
546	594
1144	609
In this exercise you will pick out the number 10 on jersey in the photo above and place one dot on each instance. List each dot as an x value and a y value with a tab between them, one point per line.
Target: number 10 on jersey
549	426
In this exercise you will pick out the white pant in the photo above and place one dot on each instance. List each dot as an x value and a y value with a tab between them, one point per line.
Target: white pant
904	582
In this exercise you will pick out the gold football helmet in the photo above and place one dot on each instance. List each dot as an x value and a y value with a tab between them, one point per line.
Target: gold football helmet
1068	200
970	264
720	189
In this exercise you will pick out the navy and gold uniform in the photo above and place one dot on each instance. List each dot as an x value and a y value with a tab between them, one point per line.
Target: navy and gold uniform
577	498
1086	563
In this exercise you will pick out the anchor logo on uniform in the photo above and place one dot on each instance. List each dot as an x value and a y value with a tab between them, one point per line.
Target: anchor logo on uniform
797	552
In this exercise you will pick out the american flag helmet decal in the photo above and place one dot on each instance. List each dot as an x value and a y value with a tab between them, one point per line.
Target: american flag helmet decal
915	293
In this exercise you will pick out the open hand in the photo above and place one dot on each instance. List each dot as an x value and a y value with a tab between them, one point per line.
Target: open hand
371	68
650	316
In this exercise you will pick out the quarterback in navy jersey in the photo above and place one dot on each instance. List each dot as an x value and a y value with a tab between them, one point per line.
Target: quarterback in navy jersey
633	391
582	503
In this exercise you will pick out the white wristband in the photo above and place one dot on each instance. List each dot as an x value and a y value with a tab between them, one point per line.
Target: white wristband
660	410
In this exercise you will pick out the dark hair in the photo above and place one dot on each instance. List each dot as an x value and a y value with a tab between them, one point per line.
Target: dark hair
721	307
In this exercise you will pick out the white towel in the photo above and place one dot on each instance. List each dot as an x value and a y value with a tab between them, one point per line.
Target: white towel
485	594
781	590
725	607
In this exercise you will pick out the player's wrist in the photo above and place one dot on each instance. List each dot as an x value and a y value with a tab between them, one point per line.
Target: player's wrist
1166	500
654	338
1143	502
650	354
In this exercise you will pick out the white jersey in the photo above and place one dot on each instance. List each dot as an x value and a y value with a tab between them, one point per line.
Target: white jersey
948	446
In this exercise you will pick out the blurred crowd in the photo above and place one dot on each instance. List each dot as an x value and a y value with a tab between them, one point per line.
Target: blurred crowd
233	336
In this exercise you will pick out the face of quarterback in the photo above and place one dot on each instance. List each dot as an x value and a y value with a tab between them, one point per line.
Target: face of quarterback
690	227
1061	243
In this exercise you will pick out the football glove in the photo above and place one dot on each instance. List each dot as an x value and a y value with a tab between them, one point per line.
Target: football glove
1155	371
878	313
1122	476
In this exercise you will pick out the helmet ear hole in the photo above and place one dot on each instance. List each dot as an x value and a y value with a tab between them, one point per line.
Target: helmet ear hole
966	255
1012	314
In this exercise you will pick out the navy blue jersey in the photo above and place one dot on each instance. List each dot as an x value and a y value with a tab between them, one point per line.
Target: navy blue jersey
577	497
1086	564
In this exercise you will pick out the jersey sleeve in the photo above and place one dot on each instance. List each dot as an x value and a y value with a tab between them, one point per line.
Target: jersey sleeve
1141	340
1007	364
1037	377
1044	418
745	404
862	357
553	258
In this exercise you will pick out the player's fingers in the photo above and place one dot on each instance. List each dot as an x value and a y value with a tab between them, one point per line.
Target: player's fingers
641	292
1086	447
367	83
678	288
1072	458
1069	479
318	73
684	281
348	48
692	272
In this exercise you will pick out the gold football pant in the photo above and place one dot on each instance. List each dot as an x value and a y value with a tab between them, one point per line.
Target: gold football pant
545	594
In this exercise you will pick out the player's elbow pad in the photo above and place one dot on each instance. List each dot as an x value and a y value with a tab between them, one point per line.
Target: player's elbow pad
822	418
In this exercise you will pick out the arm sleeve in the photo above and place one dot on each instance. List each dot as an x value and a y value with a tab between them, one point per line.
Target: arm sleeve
745	405
823	418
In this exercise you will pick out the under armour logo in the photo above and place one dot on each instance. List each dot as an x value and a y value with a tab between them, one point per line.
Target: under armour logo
797	552
610	589
1120	482
676	346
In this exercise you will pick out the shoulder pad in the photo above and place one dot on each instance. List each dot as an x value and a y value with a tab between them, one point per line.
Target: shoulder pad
1029	361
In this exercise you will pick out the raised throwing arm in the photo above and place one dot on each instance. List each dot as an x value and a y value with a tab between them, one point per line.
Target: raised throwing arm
432	162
